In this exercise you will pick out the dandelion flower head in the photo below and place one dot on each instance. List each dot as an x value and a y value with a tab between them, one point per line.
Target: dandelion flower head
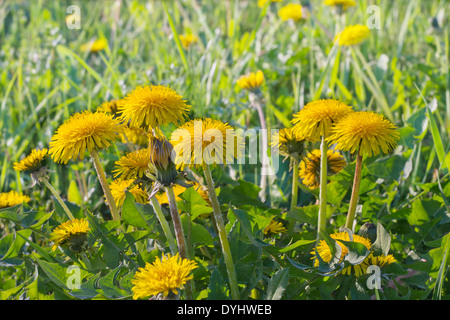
83	131
315	119
201	141
291	11
32	162
12	198
352	35
325	253
153	106
309	167
164	276
71	232
132	165
251	81
366	132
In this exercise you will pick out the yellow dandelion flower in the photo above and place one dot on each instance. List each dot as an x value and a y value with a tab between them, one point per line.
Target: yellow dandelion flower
95	45
206	141
309	167
251	80
288	143
12	198
315	119
365	132
291	11
72	232
187	40
352	35
33	162
109	107
118	190
262	3
380	260
345	4
325	253
177	190
135	135
162	276
83	131
133	165
152	106
275	227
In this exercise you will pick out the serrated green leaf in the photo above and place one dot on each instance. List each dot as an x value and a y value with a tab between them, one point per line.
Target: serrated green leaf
17	244
382	244
277	284
109	287
137	215
199	235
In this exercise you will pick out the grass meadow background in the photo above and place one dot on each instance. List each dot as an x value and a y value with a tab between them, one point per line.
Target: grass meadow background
401	71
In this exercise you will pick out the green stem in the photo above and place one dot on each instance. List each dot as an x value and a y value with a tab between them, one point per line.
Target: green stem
222	233
165	226
61	202
256	101
105	186
178	234
355	193
322	219
294	197
176	222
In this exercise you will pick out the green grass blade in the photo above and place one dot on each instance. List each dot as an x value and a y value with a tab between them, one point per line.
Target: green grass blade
176	37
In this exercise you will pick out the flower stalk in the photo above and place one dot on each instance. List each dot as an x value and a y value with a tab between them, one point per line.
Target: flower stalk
57	196
181	241
222	233
294	197
355	193
322	218
165	226
105	186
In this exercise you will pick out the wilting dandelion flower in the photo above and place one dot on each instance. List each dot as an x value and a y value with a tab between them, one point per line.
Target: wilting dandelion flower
152	106
86	130
12	198
309	168
32	162
315	119
72	232
206	141
165	275
366	133
345	4
274	227
95	46
251	80
133	165
118	190
291	11
187	40
325	253
352	35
